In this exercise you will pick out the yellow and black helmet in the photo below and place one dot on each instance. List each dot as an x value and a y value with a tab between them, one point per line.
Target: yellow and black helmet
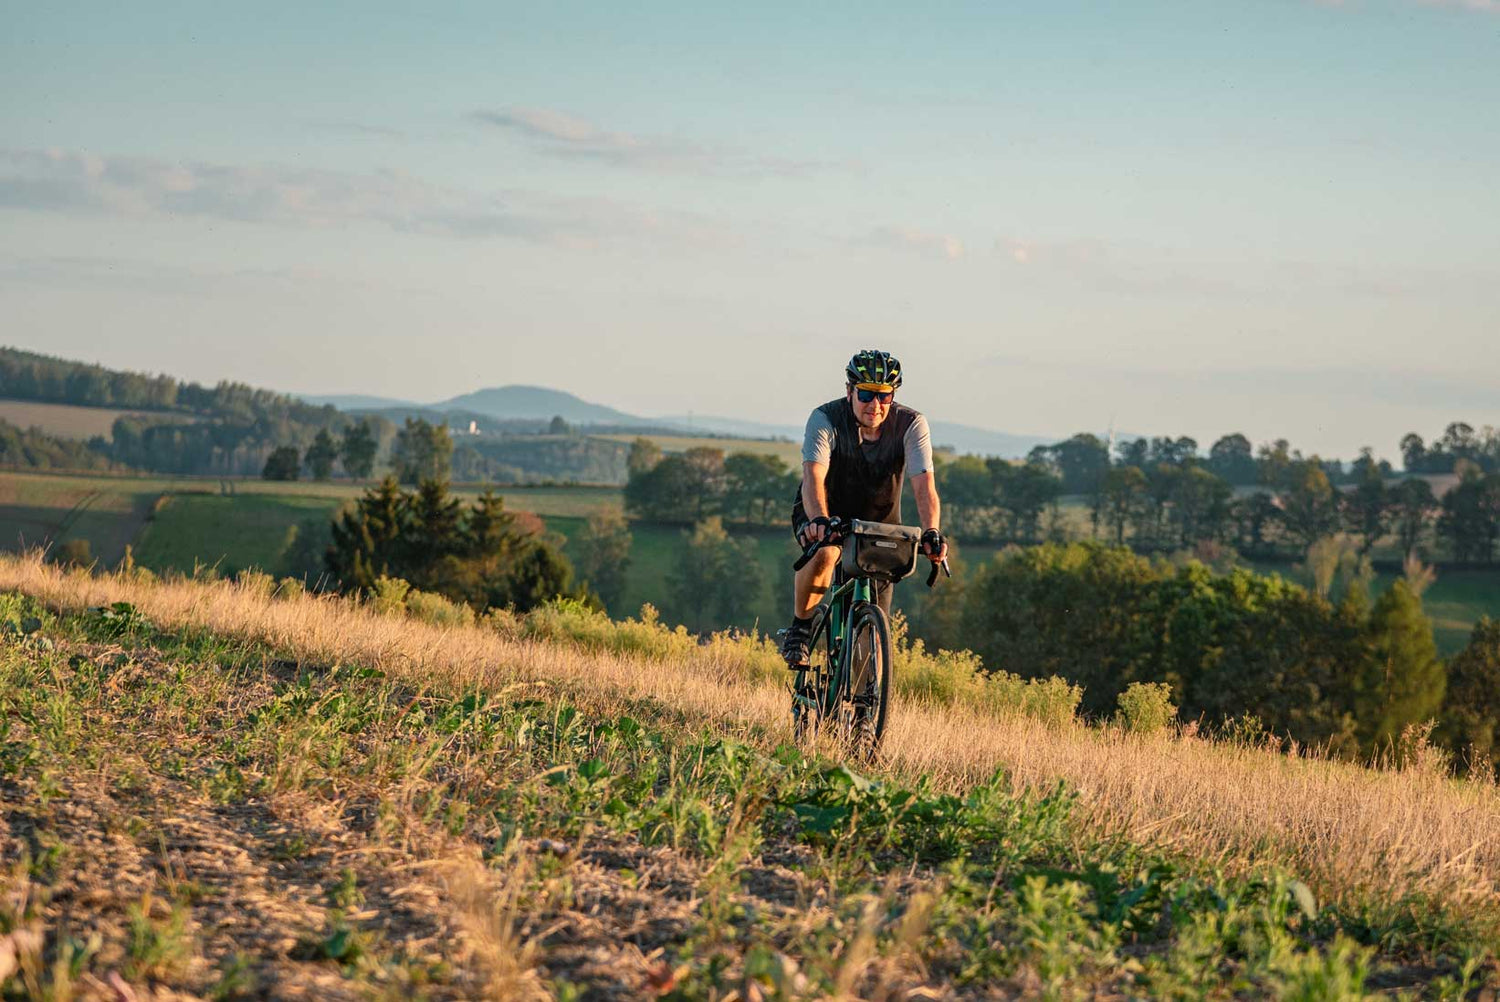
874	369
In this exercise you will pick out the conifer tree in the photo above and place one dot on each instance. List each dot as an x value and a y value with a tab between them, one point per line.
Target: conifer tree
1406	681
357	450
1470	724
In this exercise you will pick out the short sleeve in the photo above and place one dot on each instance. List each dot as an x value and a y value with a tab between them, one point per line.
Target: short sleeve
817	439
918	444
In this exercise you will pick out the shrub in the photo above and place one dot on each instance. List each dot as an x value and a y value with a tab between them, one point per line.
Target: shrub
958	678
389	594
73	553
430	607
283	463
1146	707
290	587
255	582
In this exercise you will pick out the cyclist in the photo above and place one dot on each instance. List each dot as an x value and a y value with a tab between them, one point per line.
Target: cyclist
855	452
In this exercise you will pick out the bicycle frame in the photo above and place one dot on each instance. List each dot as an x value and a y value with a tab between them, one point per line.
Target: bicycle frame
837	610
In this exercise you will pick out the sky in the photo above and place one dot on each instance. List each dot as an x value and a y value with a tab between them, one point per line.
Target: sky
1275	217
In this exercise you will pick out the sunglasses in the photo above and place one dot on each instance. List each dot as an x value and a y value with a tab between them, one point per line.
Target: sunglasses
865	396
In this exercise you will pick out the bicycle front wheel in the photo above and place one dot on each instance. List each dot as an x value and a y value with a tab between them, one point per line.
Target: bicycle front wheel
865	701
810	693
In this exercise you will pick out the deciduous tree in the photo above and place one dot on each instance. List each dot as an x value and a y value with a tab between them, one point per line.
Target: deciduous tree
423	451
714	577
320	455
604	557
284	463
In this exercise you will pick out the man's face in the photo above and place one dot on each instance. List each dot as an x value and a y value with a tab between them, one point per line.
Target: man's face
872	412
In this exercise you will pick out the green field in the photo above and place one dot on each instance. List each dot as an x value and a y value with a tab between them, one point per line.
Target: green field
250	530
112	511
36	510
69	421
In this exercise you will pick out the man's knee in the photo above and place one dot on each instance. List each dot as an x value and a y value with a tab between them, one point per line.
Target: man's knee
823	561
820	567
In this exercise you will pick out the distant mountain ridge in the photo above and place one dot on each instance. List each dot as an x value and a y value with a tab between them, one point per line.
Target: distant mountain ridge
540	403
535	402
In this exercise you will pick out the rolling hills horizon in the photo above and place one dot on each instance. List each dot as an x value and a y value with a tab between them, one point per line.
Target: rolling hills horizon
525	402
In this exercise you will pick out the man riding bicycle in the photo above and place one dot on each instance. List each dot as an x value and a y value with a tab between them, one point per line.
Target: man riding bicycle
855	452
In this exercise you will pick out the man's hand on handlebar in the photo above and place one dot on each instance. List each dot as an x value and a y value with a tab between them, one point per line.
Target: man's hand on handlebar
816	531
934	546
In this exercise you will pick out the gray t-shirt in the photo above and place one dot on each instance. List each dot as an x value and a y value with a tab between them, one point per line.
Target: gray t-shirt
818	439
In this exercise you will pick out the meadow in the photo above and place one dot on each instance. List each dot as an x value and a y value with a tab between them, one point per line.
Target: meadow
300	794
201	523
69	421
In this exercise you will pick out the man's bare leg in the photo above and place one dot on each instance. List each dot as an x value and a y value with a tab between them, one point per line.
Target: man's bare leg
808	589
812	582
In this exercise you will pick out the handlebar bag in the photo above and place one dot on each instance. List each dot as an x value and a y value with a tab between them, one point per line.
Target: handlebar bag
880	550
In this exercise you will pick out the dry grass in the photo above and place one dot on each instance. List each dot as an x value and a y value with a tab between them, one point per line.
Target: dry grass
73	421
1353	833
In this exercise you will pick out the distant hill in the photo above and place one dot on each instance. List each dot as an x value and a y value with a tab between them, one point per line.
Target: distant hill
358	402
962	437
535	402
538	403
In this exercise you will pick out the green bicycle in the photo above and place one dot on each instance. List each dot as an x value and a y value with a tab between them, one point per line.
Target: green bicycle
846	685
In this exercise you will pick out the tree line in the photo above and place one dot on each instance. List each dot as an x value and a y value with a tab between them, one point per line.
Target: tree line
177	427
703	482
33	449
1327	666
26	375
1160	495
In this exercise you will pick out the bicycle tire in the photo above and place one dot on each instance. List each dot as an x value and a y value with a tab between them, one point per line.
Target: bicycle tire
812	684
865	702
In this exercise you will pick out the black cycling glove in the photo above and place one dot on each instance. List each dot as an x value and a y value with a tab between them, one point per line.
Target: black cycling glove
820	520
932	543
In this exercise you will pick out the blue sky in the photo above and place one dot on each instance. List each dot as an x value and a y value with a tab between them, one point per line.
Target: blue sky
1191	218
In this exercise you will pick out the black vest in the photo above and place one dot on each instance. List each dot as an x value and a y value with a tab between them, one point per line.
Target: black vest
864	480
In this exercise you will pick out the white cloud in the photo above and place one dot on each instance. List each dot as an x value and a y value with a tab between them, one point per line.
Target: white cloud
78	182
906	238
559	134
1069	253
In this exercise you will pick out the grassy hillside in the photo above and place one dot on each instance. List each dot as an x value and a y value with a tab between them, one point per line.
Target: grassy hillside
70	421
111	511
300	796
108	512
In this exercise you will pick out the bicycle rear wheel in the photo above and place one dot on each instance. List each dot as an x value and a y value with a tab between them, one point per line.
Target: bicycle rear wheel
810	690
864	703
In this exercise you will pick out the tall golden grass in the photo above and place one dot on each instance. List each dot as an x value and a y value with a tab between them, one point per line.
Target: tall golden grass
1353	833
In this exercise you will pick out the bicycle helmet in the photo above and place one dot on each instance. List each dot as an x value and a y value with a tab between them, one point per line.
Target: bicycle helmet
874	368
